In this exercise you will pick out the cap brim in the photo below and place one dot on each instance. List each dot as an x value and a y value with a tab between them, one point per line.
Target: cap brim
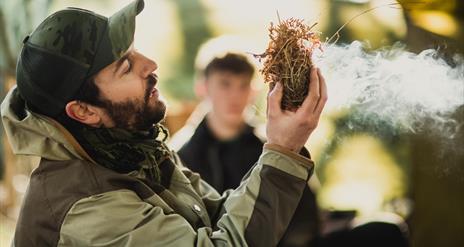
118	36
122	27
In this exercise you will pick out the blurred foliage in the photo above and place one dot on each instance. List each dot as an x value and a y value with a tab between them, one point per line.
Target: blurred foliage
447	5
365	27
195	31
357	123
17	19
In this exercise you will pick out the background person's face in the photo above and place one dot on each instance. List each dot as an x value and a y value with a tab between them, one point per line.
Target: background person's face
127	91
229	94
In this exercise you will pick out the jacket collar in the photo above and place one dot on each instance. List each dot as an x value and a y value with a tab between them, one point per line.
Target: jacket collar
34	134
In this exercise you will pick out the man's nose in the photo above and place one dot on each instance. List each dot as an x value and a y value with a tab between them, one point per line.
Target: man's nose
149	66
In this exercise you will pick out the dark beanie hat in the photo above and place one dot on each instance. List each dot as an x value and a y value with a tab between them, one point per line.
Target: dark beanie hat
68	47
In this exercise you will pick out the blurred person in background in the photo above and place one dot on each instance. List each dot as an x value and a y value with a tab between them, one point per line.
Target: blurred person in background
86	103
224	146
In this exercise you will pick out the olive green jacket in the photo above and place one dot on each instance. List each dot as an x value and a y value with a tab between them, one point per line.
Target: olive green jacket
71	201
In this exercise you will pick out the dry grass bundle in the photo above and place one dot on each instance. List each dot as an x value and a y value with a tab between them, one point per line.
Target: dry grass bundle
287	59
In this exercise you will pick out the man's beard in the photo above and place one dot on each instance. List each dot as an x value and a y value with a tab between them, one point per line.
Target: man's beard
136	114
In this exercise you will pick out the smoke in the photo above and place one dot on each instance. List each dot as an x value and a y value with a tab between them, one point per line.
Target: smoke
392	86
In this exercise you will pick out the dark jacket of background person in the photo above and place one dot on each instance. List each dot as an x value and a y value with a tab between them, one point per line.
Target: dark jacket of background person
221	163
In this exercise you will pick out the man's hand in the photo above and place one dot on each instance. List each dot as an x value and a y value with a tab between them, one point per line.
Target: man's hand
292	129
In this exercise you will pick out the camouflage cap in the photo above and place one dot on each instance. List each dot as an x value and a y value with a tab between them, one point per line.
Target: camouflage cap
68	47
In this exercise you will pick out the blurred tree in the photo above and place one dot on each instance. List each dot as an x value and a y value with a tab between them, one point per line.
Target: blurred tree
437	171
195	32
17	19
437	186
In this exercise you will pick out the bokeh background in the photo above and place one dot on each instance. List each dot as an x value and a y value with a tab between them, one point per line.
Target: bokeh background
368	168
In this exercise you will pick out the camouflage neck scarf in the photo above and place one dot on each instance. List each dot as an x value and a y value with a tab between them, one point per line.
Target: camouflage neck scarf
127	151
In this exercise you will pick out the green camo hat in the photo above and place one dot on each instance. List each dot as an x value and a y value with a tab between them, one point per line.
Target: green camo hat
68	47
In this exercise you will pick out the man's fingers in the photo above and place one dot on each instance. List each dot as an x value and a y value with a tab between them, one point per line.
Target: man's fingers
274	99
323	93
309	104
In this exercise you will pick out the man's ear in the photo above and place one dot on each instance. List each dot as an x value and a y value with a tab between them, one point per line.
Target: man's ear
84	113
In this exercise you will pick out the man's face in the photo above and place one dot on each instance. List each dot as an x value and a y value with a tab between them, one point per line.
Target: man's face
127	91
229	94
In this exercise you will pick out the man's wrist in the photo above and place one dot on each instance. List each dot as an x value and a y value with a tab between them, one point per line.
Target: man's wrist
289	147
287	161
293	154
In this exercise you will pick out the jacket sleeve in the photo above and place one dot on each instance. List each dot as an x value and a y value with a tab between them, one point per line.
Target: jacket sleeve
257	213
303	227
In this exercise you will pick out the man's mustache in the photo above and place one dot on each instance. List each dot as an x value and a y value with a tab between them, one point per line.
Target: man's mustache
152	80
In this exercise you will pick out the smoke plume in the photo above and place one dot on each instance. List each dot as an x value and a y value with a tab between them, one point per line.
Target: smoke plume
392	86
